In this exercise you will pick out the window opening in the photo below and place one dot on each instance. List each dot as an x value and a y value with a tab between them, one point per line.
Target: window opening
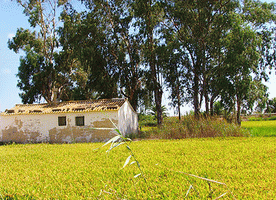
62	121
80	121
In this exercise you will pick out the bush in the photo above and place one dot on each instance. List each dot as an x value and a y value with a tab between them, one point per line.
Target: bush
189	127
272	118
147	120
261	118
255	119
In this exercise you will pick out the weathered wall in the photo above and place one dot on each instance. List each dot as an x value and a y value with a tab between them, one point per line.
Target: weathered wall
44	127
128	119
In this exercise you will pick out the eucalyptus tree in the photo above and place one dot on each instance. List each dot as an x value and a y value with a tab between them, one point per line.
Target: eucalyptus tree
207	31
247	51
149	15
241	59
257	97
261	17
122	44
199	26
85	47
271	106
40	74
176	76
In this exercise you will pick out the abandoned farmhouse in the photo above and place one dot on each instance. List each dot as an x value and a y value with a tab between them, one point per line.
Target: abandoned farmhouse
68	122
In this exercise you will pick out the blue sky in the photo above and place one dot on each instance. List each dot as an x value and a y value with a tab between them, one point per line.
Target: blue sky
11	18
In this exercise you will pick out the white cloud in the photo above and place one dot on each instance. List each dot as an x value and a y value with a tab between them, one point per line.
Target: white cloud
11	35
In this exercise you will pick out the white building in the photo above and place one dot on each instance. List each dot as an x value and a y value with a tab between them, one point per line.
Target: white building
67	122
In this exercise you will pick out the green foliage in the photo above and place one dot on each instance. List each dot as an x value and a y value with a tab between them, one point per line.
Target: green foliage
41	73
241	59
202	51
261	128
75	171
198	28
271	106
85	45
147	120
262	118
255	119
149	16
271	118
153	111
220	58
218	108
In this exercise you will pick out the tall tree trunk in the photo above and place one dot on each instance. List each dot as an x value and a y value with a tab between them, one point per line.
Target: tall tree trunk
152	63
157	91
156	87
178	95
238	111
158	101
196	90
205	80
206	98
134	92
212	107
134	99
178	103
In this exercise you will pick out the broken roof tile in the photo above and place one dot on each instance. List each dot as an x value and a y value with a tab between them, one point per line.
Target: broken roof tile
67	106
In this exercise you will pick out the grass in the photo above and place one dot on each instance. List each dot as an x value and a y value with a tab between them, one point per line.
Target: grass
262	118
260	128
76	171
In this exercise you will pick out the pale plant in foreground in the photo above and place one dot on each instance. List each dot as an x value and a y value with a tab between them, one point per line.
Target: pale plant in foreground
119	139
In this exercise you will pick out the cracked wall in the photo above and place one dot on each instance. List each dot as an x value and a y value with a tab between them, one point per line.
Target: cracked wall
45	128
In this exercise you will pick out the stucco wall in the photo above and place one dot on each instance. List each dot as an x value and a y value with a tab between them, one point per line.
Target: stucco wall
44	127
128	119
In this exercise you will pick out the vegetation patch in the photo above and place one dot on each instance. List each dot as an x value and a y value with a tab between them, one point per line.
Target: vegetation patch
260	128
261	118
77	171
188	127
147	120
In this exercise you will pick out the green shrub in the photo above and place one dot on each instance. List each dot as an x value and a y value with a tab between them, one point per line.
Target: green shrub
261	118
255	119
147	120
272	118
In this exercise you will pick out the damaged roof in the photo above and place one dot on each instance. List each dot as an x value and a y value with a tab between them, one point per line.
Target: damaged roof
67	106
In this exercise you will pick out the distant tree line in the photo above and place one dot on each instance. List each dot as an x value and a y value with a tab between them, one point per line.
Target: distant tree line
200	51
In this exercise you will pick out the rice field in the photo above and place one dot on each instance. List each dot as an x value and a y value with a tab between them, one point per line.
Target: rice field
261	128
78	171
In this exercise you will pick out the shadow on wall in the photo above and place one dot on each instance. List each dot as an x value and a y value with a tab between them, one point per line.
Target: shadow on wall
130	127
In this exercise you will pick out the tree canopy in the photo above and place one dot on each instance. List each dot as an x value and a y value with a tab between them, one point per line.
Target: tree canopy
200	51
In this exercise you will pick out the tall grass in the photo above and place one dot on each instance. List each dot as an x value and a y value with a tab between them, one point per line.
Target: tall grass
189	127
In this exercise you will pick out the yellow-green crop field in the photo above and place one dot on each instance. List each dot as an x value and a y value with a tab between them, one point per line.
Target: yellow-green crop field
261	128
76	171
